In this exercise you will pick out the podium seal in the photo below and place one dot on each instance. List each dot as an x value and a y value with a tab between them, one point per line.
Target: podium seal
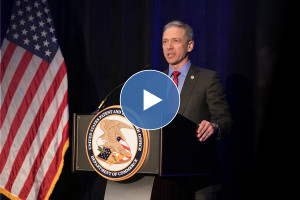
115	148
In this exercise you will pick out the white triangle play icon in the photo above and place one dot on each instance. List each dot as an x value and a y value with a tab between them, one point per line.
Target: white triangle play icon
150	100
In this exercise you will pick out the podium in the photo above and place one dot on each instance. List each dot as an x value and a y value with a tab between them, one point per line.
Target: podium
173	151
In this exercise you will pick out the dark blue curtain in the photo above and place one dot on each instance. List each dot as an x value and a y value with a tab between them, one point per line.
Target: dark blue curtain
105	42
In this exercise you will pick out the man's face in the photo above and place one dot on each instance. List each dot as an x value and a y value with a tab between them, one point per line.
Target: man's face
176	47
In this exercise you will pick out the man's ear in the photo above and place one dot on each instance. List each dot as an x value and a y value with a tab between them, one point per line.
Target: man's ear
190	45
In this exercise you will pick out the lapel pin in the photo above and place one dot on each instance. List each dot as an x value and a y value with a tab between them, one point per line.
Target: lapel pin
192	77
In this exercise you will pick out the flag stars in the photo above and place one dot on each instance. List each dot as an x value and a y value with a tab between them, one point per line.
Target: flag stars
49	20
46	43
39	14
20	12
18	3
16	36
13	27
36	4
30	18
37	47
35	37
33	27
41	23
47	53
28	8
51	30
12	17
22	22
46	10
26	41
24	31
44	33
54	39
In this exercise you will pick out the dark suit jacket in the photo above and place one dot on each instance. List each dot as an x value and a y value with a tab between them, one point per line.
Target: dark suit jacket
203	98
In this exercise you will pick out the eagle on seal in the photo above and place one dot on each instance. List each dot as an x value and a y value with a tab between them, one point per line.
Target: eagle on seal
115	148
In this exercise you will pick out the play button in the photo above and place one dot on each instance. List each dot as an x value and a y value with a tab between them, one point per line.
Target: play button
150	99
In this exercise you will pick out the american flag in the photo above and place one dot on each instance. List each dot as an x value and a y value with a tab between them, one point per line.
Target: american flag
34	115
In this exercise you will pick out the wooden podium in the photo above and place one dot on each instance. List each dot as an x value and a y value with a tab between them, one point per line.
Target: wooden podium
173	151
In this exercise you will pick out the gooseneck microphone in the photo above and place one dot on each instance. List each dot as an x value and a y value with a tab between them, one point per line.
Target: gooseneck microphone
104	100
147	67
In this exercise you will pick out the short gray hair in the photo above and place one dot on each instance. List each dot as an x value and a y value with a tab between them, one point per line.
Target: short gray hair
189	34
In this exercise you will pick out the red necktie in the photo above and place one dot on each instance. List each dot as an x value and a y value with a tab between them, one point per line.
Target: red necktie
175	77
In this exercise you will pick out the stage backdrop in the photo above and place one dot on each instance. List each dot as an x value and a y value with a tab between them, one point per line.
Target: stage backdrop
105	42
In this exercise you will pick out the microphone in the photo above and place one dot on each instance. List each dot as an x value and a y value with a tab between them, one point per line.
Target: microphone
147	67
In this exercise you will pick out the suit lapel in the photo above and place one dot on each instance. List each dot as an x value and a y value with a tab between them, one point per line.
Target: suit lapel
189	83
187	88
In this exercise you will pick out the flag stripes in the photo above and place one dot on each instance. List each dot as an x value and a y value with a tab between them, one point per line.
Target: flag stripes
34	128
8	74
55	128
3	49
14	85
58	88
54	169
7	57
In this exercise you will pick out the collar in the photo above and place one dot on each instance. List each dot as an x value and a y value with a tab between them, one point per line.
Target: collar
183	70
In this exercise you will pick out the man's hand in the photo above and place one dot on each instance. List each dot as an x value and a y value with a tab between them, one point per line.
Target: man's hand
205	130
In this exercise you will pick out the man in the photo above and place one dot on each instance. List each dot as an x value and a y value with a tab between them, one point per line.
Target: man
202	97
